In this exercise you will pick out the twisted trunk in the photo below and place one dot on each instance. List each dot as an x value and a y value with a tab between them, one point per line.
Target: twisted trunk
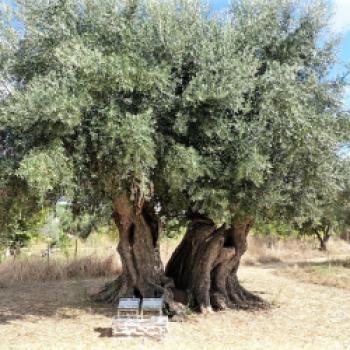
205	266
142	270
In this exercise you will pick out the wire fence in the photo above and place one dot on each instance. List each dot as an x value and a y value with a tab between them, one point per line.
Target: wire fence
13	249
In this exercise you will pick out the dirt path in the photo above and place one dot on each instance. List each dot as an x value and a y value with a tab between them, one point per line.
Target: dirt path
59	316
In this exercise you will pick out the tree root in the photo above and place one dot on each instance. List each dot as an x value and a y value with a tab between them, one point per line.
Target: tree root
111	292
244	300
237	297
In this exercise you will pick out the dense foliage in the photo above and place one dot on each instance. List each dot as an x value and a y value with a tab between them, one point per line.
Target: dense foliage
234	116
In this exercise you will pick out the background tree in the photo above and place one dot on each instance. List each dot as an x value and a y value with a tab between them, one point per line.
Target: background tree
328	215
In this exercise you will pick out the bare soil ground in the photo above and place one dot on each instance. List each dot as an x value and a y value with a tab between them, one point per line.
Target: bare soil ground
58	315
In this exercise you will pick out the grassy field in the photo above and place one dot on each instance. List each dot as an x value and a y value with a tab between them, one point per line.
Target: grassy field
42	306
332	273
96	257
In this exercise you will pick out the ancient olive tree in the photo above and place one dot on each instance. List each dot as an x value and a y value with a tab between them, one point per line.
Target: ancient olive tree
271	153
165	111
81	122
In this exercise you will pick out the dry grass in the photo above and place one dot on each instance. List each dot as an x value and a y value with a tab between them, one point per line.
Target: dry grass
331	273
98	258
263	250
36	269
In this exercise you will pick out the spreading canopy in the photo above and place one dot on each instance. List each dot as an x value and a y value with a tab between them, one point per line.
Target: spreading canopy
232	116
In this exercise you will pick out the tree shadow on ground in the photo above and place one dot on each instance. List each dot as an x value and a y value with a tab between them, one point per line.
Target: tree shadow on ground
59	299
105	332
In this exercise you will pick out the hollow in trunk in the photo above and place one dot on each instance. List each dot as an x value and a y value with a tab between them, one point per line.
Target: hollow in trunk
205	264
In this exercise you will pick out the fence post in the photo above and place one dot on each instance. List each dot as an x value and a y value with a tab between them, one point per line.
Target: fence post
48	253
76	249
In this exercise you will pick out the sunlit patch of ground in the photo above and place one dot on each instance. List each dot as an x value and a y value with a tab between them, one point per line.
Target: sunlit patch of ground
59	315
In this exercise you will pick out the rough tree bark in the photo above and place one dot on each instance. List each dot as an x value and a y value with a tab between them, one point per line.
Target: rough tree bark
142	270
205	264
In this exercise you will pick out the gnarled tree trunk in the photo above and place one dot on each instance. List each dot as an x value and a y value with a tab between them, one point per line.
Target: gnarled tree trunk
205	266
142	270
